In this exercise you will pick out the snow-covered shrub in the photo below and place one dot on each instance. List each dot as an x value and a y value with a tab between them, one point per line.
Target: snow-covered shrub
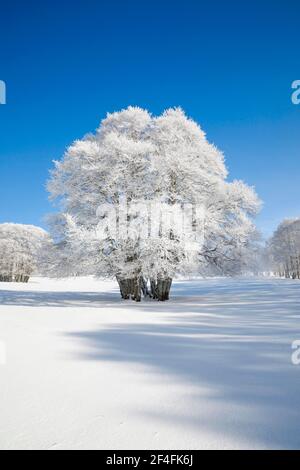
146	198
20	248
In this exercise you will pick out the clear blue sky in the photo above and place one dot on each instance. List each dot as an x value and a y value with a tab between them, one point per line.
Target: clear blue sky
229	64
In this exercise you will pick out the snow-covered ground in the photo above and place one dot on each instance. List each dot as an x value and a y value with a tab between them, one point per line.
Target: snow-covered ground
209	369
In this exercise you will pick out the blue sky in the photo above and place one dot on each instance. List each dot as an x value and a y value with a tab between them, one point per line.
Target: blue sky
229	64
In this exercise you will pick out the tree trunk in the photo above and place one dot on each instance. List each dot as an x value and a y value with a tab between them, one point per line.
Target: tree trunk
134	287
160	289
130	288
21	278
124	288
136	291
153	288
144	287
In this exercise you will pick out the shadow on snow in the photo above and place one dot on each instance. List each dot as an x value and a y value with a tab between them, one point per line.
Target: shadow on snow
231	338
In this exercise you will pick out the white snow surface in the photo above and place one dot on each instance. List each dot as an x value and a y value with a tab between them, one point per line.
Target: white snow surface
210	369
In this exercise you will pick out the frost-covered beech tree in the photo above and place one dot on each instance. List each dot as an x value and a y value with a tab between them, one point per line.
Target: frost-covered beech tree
284	249
146	198
20	246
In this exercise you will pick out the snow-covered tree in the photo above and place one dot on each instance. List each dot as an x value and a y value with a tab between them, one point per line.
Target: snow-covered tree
284	249
144	199
20	248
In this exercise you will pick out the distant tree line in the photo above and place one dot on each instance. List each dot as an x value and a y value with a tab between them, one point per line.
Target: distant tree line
284	249
20	251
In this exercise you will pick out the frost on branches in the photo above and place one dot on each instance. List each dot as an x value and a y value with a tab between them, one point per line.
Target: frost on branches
284	249
145	199
20	248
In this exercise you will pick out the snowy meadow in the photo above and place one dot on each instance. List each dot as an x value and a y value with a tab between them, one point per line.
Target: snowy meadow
209	369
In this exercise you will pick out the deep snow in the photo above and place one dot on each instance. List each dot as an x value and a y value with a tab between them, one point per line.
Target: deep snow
209	369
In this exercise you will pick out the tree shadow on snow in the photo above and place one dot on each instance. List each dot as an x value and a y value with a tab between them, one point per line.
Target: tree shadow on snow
229	339
232	340
58	299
